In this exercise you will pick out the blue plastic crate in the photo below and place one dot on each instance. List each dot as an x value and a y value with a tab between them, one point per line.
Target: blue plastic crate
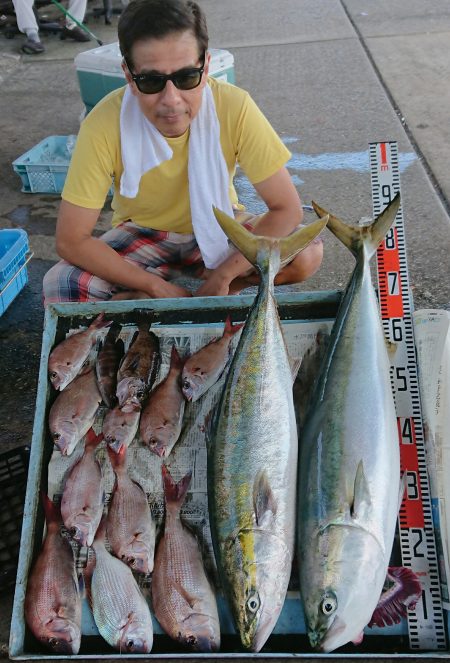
13	259
43	169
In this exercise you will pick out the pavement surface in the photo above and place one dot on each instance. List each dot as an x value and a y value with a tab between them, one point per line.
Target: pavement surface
330	76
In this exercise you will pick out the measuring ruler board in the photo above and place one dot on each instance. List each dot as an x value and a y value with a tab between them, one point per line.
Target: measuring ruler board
426	625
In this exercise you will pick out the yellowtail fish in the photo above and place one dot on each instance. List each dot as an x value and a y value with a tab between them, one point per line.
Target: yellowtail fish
252	456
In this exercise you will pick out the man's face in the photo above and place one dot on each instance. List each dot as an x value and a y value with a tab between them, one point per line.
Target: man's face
171	110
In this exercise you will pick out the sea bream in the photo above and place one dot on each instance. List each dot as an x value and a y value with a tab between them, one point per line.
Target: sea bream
252	454
67	358
83	494
120	427
183	598
138	368
349	470
203	368
130	527
109	357
52	603
120	610
73	412
162	417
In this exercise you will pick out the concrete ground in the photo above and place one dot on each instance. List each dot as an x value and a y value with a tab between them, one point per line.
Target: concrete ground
330	76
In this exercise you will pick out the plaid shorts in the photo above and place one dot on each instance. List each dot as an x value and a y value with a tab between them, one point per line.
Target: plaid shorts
166	254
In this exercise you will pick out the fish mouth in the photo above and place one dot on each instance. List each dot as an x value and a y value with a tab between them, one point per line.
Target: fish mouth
115	445
158	449
131	405
327	639
138	564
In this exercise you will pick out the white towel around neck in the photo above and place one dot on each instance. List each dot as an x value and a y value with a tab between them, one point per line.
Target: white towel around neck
144	147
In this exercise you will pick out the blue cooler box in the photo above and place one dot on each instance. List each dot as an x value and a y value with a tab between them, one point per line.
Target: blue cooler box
100	71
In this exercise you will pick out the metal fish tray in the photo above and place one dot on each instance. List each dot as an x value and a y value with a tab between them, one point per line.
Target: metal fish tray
308	311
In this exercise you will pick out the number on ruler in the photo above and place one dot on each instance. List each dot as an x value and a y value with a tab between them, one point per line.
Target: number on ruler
412	486
386	192
406	431
393	283
396	329
402	378
390	240
418	543
424	605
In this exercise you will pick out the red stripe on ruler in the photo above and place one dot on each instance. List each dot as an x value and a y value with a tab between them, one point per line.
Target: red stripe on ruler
389	261
411	510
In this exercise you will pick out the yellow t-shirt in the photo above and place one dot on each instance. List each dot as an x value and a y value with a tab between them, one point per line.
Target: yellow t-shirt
162	202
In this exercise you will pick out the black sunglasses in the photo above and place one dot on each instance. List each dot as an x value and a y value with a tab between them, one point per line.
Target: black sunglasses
183	79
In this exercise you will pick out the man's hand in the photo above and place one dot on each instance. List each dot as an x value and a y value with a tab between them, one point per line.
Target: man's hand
159	289
214	285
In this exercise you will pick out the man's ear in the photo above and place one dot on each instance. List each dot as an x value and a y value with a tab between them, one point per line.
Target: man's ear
128	77
207	63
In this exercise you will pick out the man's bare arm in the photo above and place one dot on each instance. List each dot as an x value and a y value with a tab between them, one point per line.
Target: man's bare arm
283	216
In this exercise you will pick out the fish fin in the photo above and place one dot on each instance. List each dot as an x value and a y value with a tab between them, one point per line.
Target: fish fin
230	329
133	365
294	364
249	244
370	236
88	573
120	347
361	494
209	427
190	599
81	585
264	502
299	240
101	529
175	493
135	335
403	593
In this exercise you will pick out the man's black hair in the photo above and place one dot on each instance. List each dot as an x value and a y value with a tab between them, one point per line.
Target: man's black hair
154	19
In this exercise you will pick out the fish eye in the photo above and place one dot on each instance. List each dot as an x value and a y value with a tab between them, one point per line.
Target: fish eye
186	384
328	604
53	642
140	394
253	602
53	375
56	436
130	645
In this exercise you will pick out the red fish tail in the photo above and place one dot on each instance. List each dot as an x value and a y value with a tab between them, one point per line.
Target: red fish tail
175	360
92	439
230	329
175	493
52	511
118	459
100	322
